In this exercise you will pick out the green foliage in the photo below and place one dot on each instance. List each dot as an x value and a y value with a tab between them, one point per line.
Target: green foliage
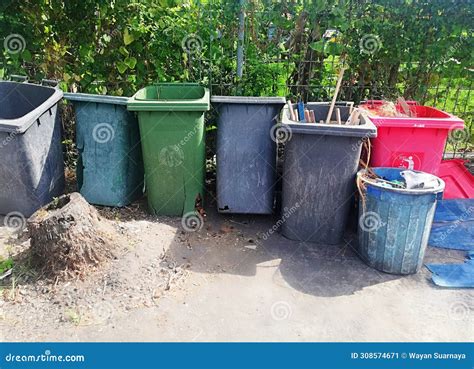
421	49
6	265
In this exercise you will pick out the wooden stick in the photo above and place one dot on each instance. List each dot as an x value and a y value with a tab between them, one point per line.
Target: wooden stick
354	117
338	115
292	111
336	92
406	109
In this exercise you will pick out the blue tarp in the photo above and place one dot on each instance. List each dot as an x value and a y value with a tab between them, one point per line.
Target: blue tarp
453	275
453	225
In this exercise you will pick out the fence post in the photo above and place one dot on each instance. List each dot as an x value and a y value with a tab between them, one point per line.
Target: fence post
240	43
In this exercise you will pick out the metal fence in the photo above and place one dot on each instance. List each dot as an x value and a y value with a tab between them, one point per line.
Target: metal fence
258	67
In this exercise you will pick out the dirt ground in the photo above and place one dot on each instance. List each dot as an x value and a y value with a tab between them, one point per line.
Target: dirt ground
226	283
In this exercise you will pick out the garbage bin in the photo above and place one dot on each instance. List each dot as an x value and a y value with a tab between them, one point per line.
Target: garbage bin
171	120
110	166
319	168
31	156
415	142
246	153
395	223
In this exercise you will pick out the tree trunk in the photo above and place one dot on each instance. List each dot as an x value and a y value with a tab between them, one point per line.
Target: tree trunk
68	236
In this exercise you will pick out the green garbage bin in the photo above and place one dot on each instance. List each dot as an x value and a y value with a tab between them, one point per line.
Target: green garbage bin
171	120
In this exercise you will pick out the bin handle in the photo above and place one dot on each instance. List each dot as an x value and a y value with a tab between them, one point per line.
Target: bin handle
16	77
49	82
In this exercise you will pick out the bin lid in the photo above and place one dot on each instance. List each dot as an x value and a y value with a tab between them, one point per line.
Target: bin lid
39	99
248	100
101	99
424	117
170	97
365	129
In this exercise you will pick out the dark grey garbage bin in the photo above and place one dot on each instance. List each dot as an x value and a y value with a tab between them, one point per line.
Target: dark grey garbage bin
319	171
246	153
31	157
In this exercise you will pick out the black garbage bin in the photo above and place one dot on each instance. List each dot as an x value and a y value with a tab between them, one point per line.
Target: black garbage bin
319	171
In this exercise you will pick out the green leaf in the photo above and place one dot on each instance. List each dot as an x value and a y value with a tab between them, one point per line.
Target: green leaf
131	62
26	56
318	46
127	37
6	265
122	67
333	48
123	51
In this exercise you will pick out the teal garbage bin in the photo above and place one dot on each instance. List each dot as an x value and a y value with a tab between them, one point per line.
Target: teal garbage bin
395	223
110	165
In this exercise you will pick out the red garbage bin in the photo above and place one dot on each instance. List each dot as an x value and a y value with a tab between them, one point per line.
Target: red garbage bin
416	142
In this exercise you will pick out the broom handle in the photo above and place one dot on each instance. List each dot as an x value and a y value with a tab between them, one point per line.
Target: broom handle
334	98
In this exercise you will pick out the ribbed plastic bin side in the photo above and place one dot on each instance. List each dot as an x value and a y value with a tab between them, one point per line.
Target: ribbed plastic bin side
31	156
319	170
110	165
246	153
395	224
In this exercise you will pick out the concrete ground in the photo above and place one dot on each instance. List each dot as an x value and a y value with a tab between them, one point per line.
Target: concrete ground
240	287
